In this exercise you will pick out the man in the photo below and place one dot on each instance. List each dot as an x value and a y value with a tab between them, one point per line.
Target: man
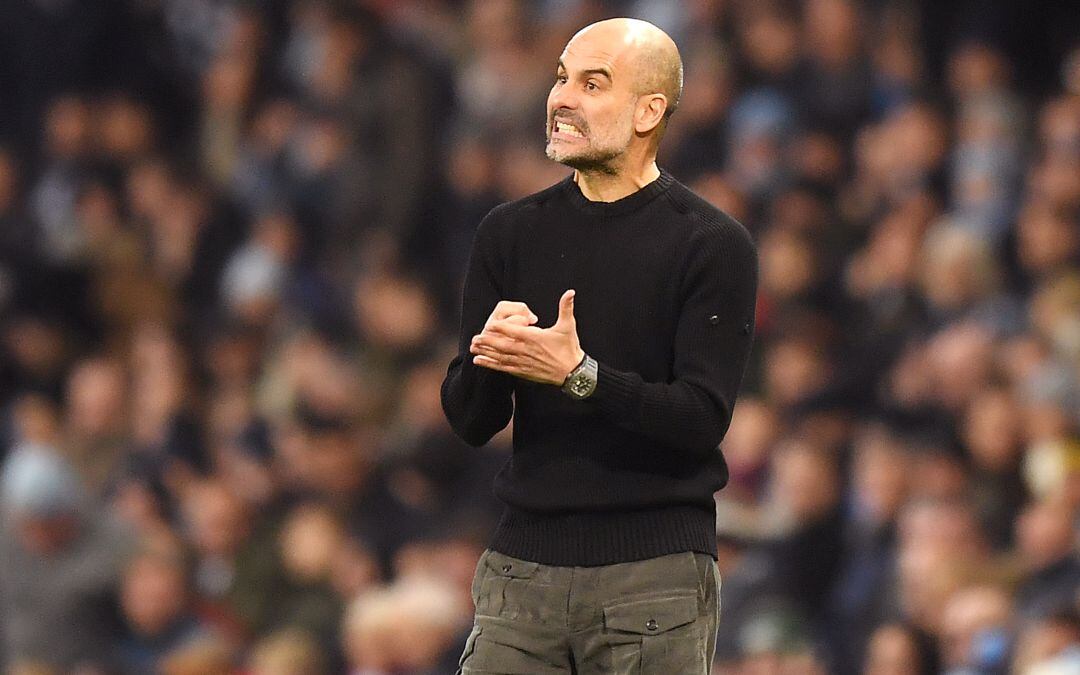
60	567
603	561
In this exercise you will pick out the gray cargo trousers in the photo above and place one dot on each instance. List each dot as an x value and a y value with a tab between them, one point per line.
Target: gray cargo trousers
648	617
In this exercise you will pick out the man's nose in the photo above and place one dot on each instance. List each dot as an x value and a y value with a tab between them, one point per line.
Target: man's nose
563	97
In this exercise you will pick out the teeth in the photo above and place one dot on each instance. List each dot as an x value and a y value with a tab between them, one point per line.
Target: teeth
569	129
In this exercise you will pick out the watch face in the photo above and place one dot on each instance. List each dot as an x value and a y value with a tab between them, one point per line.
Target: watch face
580	385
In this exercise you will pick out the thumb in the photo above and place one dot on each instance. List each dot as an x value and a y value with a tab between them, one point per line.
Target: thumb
566	309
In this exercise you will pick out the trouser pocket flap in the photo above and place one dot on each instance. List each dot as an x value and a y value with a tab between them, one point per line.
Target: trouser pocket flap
651	616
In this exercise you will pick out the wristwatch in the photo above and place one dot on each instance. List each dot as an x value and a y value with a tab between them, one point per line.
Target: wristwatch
581	382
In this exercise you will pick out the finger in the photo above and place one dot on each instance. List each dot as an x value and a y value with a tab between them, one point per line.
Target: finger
498	343
493	364
508	308
511	330
566	309
485	350
517	320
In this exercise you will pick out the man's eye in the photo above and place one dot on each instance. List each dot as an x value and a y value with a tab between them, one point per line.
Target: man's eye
591	86
561	79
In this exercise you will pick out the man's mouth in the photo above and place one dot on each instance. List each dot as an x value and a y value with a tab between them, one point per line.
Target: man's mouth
562	128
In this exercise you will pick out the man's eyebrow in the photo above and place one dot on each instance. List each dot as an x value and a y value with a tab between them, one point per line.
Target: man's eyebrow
590	71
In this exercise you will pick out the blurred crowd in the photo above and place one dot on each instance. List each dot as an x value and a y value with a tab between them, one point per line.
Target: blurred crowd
232	234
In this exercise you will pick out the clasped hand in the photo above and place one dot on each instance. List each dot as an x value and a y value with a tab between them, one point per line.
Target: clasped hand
512	343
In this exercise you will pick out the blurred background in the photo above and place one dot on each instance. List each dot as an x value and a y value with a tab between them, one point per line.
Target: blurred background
232	239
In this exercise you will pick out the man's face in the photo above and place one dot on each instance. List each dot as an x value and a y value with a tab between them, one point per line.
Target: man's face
590	109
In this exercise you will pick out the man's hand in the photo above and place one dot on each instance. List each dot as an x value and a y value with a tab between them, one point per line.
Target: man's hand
507	309
513	345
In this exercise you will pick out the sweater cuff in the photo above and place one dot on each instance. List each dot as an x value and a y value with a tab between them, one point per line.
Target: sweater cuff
485	379
617	393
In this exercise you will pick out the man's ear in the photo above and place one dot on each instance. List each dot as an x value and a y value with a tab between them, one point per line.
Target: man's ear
650	112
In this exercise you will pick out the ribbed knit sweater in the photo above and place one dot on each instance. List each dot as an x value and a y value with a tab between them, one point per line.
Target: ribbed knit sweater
665	287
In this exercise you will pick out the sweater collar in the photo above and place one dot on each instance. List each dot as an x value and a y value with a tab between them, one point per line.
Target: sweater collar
630	202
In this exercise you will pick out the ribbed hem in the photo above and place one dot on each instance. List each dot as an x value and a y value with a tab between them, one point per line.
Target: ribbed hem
591	539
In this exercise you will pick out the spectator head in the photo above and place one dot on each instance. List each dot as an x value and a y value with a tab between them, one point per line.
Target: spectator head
329	455
67	128
309	543
895	649
1059	127
1048	241
991	429
975	629
1055	182
287	652
943	524
958	268
449	559
96	398
977	68
35	420
36	344
395	313
790	265
1044	533
928	575
880	474
404	626
961	363
1055	313
216	519
937	472
833	32
768	39
125	129
42	497
754	428
804	480
719	191
154	590
797	365
354	569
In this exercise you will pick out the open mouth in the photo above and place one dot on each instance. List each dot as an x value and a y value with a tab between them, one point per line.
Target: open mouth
559	128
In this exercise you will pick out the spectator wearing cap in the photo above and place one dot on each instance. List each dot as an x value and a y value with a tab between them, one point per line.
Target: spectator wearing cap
60	566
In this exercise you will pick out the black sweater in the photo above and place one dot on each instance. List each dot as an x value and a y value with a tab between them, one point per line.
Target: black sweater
665	288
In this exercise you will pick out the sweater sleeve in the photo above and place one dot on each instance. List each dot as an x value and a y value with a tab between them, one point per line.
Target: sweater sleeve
478	401
712	344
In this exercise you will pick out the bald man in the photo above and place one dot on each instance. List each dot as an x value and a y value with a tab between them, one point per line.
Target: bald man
611	315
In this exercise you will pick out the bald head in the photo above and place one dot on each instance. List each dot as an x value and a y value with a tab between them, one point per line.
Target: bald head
616	84
652	56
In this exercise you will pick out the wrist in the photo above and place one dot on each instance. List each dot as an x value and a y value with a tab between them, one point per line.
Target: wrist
579	359
581	382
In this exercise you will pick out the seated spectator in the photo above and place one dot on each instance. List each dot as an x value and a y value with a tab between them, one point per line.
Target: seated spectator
407	627
60	566
1047	543
157	608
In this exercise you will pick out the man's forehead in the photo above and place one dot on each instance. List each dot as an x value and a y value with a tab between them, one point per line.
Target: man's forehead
607	44
591	55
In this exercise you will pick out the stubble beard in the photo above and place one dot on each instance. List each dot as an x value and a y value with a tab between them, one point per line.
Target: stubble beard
588	159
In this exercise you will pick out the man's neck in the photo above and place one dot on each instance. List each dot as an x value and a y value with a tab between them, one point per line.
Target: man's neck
609	187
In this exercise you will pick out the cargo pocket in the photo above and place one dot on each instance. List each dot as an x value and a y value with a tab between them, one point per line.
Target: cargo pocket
656	636
470	647
478	578
505	591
